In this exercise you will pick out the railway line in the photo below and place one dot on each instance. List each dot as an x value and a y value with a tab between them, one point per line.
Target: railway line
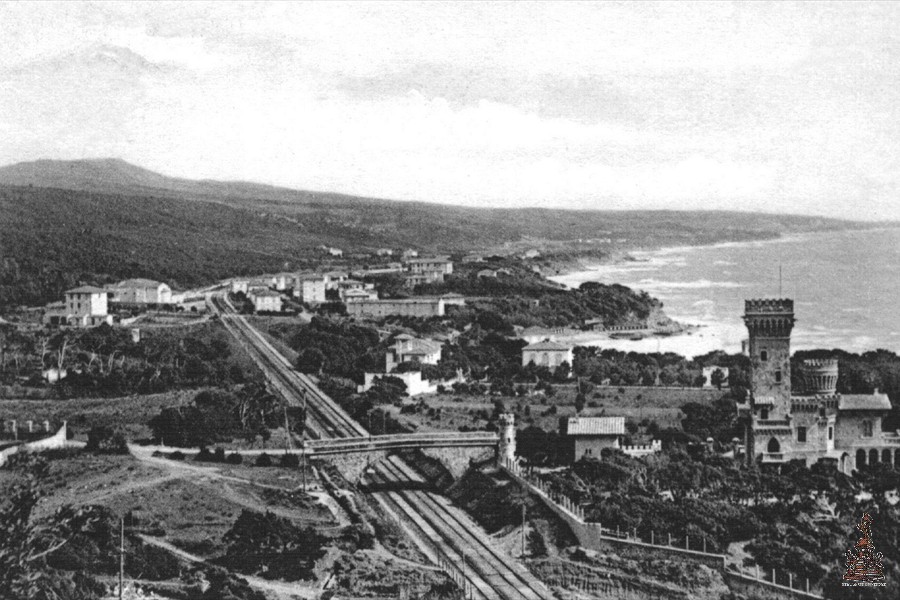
488	571
464	552
325	419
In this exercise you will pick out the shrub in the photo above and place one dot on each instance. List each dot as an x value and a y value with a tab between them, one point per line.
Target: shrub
177	455
235	458
104	440
289	460
263	460
219	455
204	455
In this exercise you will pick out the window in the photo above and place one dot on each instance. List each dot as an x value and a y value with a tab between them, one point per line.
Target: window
764	356
801	434
777	376
867	428
831	433
764	414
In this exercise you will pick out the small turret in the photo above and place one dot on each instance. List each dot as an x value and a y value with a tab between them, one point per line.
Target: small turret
820	376
506	451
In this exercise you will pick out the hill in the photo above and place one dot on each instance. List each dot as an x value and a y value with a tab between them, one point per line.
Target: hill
67	222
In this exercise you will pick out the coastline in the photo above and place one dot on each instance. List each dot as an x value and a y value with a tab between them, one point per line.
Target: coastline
703	334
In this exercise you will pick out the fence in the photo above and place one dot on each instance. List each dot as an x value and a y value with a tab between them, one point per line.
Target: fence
594	536
57	440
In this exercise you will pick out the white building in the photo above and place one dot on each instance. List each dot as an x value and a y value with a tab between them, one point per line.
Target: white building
546	354
85	306
415	385
409	349
266	301
311	289
140	291
239	285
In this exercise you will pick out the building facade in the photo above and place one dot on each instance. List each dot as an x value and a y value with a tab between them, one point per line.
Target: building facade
547	354
140	291
266	301
85	306
409	307
406	348
813	423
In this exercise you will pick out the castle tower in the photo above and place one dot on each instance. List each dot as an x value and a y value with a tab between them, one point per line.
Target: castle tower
506	451
769	323
768	431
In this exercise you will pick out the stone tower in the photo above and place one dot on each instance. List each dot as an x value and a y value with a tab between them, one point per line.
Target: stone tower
820	376
769	323
768	431
506	451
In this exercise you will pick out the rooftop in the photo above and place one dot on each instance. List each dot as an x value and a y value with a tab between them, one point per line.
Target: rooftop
87	289
876	401
595	426
138	283
548	345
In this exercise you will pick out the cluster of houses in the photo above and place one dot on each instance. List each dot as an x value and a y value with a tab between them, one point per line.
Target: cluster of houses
89	306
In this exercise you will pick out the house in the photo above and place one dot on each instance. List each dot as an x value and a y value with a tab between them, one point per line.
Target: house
266	301
331	251
358	294
588	436
472	258
140	291
354	285
85	306
531	254
285	281
239	286
546	354
384	252
407	348
333	278
409	307
814	423
434	264
487	273
409	253
311	289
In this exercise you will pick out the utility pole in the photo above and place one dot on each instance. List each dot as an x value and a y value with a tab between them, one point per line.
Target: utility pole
287	430
121	557
523	529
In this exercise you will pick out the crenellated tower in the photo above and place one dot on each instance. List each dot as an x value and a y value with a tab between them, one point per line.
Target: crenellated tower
770	322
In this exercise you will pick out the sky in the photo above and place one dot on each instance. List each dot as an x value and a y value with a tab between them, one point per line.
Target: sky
777	107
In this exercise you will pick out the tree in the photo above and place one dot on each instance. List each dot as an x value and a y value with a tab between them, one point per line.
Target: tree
272	547
311	360
717	378
105	440
579	402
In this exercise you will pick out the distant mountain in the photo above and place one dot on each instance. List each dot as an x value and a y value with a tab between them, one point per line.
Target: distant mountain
92	221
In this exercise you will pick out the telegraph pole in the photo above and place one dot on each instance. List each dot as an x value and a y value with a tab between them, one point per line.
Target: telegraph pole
523	530
121	557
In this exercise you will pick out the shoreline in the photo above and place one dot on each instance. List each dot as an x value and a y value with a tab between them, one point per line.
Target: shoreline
701	335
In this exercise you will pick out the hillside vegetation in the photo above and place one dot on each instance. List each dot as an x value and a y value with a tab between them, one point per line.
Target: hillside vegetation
94	221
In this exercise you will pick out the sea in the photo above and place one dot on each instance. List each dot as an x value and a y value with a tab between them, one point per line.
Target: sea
845	286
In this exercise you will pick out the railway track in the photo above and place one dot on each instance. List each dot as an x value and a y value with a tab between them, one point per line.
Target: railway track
325	419
471	559
488	570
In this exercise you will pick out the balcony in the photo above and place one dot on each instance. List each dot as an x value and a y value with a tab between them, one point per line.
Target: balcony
773	457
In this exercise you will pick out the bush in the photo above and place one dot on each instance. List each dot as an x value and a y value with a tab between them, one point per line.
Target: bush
103	440
289	460
263	460
235	458
177	455
204	455
219	455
